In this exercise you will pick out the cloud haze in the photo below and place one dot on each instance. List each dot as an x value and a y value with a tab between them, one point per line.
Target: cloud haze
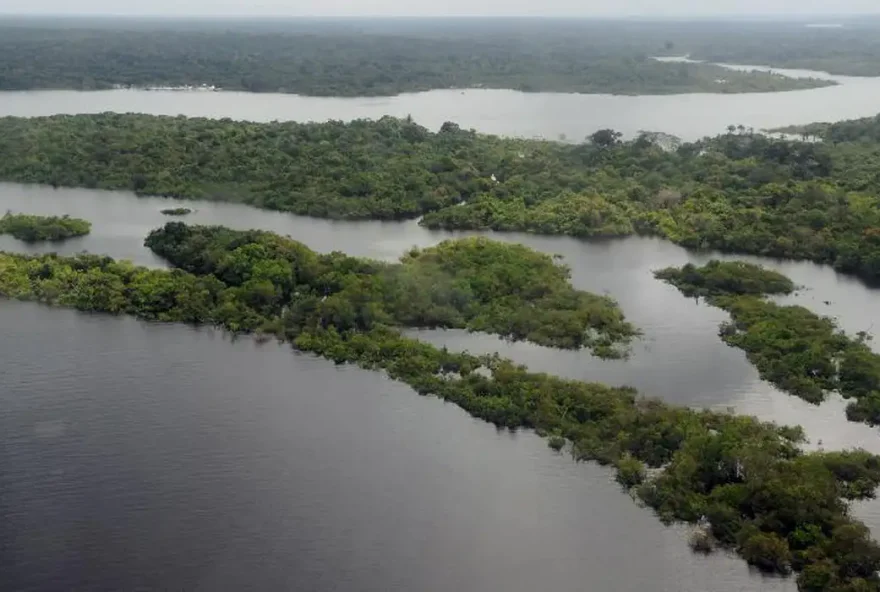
445	7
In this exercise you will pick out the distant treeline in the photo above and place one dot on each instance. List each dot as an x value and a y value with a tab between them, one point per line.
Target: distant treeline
852	49
346	62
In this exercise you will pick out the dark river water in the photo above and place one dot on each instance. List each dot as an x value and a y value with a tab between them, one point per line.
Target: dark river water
146	457
152	457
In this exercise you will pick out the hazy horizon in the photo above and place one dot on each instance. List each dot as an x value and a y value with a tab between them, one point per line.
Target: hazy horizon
452	8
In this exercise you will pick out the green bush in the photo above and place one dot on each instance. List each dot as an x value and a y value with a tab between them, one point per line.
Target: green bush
630	471
767	551
33	229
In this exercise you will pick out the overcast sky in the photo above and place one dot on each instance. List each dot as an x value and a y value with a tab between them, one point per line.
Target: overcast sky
440	7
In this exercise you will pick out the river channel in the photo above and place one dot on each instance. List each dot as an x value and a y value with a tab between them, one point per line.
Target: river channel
505	112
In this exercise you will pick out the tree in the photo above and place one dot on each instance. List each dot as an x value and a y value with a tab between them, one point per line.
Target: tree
605	138
768	552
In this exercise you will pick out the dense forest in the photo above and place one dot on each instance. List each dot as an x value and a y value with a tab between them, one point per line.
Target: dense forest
475	283
349	62
385	169
862	131
795	349
781	509
738	192
717	278
32	229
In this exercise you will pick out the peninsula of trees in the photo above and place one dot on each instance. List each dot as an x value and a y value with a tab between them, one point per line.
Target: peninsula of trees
32	229
176	211
738	192
780	508
326	60
795	349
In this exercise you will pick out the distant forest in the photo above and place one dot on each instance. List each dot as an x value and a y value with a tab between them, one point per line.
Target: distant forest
367	58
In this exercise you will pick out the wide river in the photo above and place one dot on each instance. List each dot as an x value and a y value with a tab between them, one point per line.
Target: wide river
152	457
139	456
505	112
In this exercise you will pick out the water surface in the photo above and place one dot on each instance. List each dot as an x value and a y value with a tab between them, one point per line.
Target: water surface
158	457
505	112
680	357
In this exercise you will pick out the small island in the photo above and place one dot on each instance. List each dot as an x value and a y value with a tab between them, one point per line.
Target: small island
176	211
474	284
718	278
793	348
31	228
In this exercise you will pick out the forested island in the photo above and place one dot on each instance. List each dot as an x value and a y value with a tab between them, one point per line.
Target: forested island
798	351
726	278
780	508
473	284
738	192
176	211
32	229
327	59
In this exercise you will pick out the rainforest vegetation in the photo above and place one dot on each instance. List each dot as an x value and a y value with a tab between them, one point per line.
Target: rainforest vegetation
32	229
341	61
862	132
738	192
388	169
780	508
795	349
718	278
474	283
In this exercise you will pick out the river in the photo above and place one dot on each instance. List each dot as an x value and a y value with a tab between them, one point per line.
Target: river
145	457
150	457
504	112
236	463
